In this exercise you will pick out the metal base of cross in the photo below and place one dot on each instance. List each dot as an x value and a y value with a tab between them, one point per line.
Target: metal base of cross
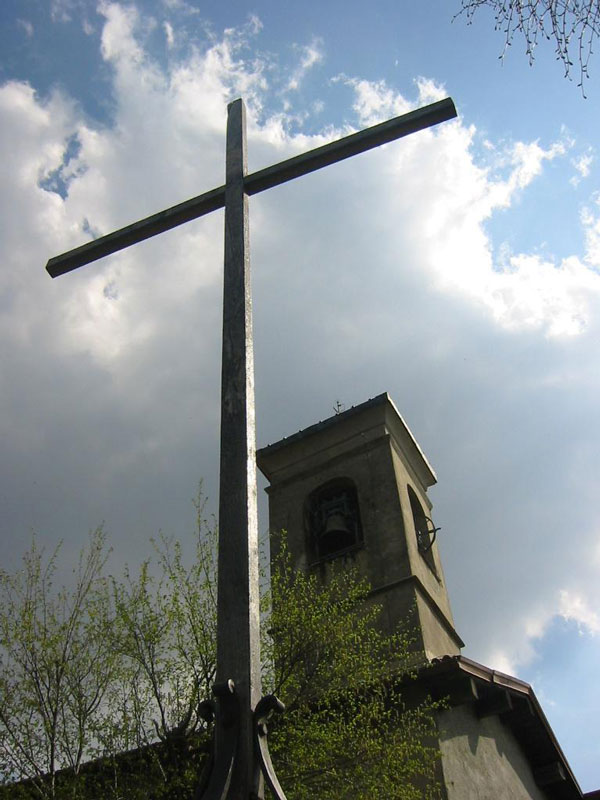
216	778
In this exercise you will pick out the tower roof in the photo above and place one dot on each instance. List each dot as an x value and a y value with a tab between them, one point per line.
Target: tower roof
369	419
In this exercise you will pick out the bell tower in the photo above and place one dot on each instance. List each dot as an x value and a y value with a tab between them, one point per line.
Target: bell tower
353	488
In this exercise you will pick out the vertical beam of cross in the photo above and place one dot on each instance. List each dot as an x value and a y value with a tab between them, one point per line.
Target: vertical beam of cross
241	753
238	617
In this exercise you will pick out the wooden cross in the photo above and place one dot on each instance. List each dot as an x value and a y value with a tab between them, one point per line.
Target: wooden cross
241	758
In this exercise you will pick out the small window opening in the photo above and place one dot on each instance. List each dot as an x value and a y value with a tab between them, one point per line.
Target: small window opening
424	529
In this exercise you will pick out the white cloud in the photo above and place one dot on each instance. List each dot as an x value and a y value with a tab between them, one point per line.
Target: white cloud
430	91
571	606
575	608
540	294
521	647
27	27
582	166
501	662
310	55
168	28
528	631
529	292
65	10
375	274
117	33
591	226
374	101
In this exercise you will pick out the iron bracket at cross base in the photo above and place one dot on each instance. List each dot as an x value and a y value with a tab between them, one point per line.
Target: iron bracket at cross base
214	784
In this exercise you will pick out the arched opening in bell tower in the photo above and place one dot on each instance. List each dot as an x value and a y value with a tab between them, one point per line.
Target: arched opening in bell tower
333	519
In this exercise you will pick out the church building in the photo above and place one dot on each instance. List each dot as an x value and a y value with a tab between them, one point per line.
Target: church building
354	487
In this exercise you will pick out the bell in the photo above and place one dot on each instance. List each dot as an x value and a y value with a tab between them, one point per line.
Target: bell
336	535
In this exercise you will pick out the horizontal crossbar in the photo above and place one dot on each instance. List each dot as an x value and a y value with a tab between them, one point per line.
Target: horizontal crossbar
254	183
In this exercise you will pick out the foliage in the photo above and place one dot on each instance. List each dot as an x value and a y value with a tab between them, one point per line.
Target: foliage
54	668
346	731
106	667
101	684
166	637
572	25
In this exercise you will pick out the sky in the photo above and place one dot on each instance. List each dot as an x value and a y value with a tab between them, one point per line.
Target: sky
457	269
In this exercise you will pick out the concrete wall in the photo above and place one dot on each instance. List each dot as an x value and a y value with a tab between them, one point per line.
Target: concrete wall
373	449
481	759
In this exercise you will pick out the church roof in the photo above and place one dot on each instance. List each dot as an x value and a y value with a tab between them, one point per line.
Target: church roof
461	680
